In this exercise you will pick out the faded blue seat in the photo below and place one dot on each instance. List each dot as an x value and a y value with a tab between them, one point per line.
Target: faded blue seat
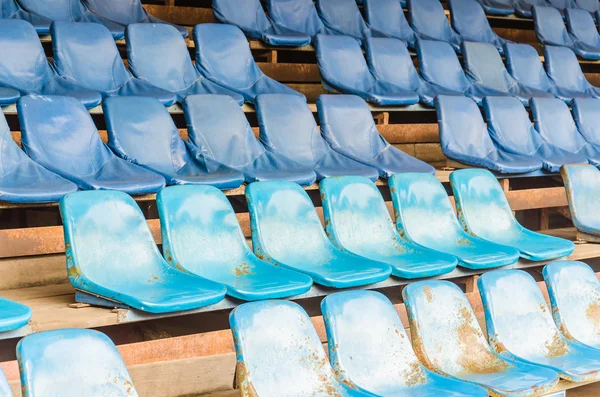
343	68
355	350
564	70
298	15
342	17
11	9
87	54
223	56
465	138
387	17
582	27
447	334
551	30
141	131
529	334
582	185
201	234
105	233
429	21
586	113
287	232
249	16
574	292
13	315
23	66
470	22
591	6
523	7
45	358
510	127
561	5
59	134
270	332
347	125
485	212
425	216
5	390
497	7
287	127
218	130
357	220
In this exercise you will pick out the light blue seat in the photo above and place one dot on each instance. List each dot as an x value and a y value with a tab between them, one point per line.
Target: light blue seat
113	260
582	185
387	17
561	5
564	70
425	216
523	7
201	234
13	315
586	113
281	332
470	22
342	17
497	7
59	363
11	9
574	292
520	327
355	350
347	125
429	21
5	390
141	131
357	220
582	27
485	212
288	127
298	15
157	53
450	341
287	232
591	6
218	130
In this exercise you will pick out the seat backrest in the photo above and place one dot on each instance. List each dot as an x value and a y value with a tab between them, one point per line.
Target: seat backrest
469	20
561	4
582	185
554	122
124	12
582	26
427	17
390	61
247	14
158	53
10	154
550	27
57	363
588	5
524	64
298	15
586	112
484	65
342	16
387	16
56	10
564	69
439	65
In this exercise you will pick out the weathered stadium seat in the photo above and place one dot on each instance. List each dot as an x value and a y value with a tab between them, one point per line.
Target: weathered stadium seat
13	315
249	16
347	125
5	390
485	212
355	350
520	326
523	7
465	138
586	113
450	341
564	70
342	17
141	131
219	130
288	127
59	134
387	17
23	66
11	9
583	27
425	216
343	68
298	15
497	7
113	260
281	332
589	5
582	185
72	362
357	220
287	232
470	22
429	21
201	234
223	56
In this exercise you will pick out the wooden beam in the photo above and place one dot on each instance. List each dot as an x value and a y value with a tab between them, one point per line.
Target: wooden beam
188	16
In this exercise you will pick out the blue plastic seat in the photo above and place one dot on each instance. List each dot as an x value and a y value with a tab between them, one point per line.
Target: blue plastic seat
582	27
5	390
523	8
387	17
528	333
219	130
201	234
223	56
342	17
497	7
59	134
113	260
13	315
287	127
591	6
485	212
586	112
281	332
470	22
465	138
355	350
429	21
582	185
343	68
23	66
574	292
561	5
357	220
249	16
287	232
298	15
425	216
447	334
11	9
47	357
141	131
347	125
564	70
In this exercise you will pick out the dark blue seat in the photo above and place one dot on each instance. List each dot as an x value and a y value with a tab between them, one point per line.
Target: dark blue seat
429	21
219	130
497	7
465	138
13	315
586	112
510	127
287	127
343	68
342	17
470	22
387	17
591	6
11	9
298	15
563	68
347	125
59	133
249	16
223	56
141	131
23	66
582	185
582	27
523	7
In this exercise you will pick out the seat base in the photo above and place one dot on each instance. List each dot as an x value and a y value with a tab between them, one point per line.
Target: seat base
97	300
587	237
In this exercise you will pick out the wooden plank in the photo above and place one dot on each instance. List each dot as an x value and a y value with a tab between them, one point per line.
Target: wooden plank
291	72
189	16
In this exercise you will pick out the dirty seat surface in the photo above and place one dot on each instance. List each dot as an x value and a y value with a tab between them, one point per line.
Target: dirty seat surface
13	315
564	70
582	184
387	17
429	21
343	17
470	22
